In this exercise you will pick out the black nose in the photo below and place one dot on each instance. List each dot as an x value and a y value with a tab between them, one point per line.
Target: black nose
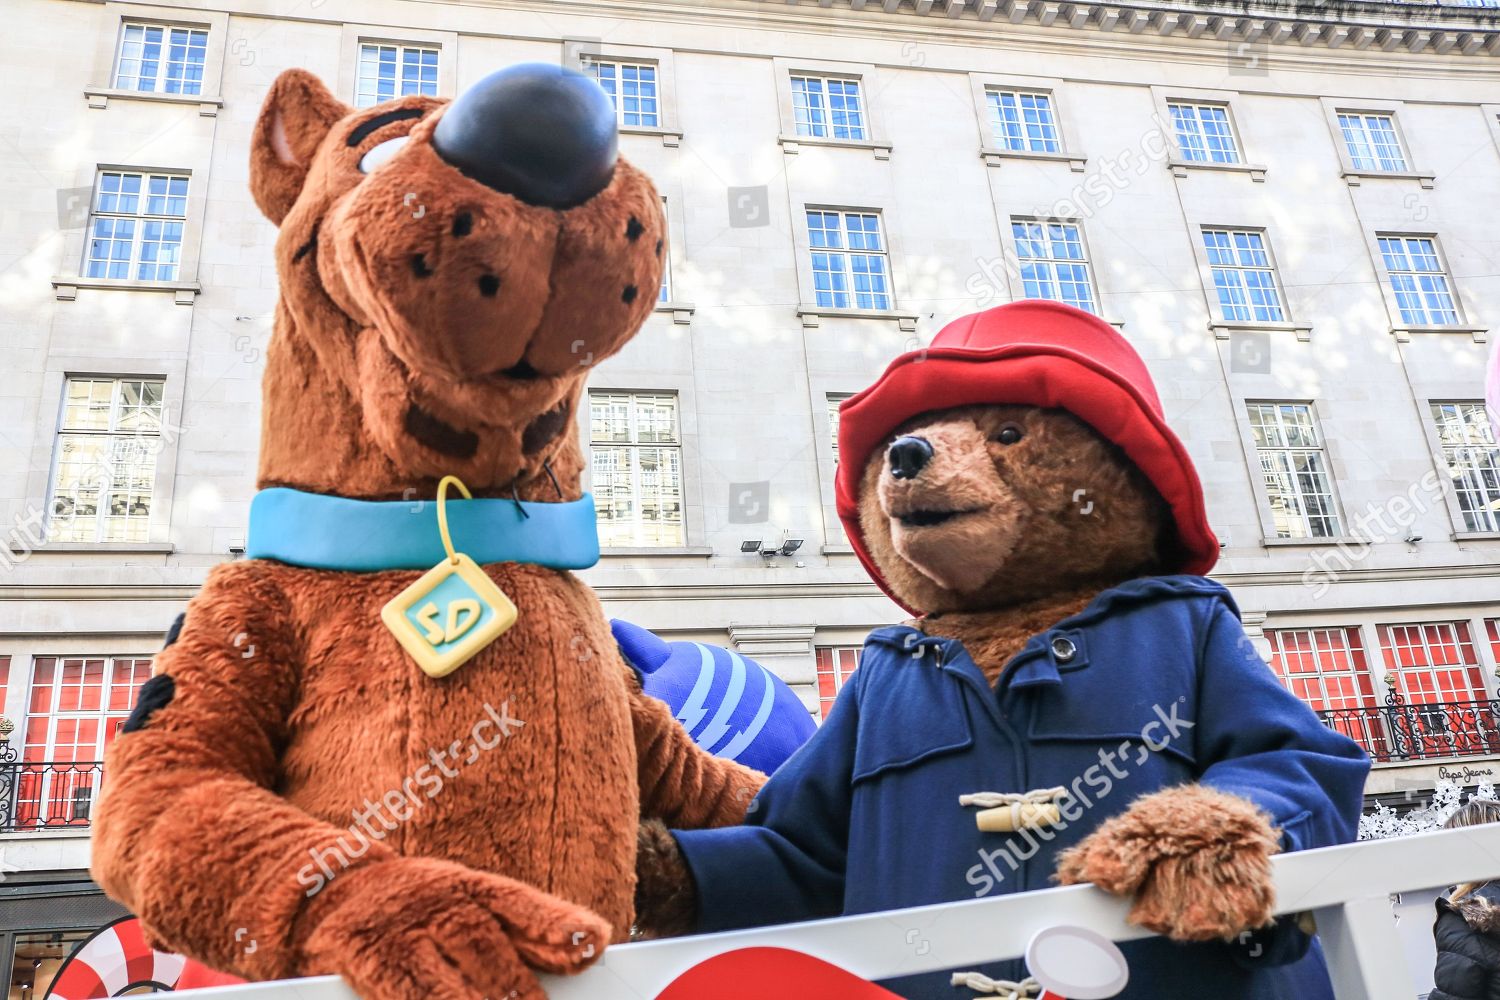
908	456
542	133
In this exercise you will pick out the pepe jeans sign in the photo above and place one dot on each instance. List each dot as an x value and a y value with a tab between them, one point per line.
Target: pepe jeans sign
1468	775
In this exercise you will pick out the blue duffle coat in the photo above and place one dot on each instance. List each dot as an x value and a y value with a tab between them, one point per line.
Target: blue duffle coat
1154	684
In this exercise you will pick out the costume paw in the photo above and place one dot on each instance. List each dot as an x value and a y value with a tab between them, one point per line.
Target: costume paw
414	928
666	898
1197	861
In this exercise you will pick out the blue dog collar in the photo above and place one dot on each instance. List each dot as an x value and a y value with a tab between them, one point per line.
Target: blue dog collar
366	536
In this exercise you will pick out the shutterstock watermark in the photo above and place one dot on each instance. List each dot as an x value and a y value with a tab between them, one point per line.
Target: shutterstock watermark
1114	765
1391	520
400	804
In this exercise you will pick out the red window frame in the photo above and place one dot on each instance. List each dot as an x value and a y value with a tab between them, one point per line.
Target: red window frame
1432	662
1325	667
835	664
75	707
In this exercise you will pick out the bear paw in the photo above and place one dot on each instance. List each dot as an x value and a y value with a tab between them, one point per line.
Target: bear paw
1197	861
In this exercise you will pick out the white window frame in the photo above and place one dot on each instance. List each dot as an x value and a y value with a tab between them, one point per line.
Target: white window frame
139	220
1399	316
1467	461
864	74
1368	150
577	53
813	112
1177	160
356	36
1240	269
1069	151
1292	522
1201	153
848	255
1051	264
159	80
1355	173
593	65
363	98
639	533
1000	123
141	444
104	72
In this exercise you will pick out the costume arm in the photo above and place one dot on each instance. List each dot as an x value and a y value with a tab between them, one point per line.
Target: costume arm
681	783
190	835
787	862
1257	740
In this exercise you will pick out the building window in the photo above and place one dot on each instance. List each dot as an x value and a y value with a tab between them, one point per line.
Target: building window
835	400
1023	122
828	107
1295	470
136	228
391	71
1244	277
1432	662
1325	667
636	456
77	706
106	460
1473	460
631	88
161	58
835	664
1419	279
848	259
1054	264
1204	133
1372	141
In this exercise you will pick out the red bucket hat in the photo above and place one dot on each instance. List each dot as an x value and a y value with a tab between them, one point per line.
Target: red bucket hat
1036	353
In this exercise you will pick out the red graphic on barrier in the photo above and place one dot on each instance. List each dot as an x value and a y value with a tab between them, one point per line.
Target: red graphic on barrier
756	973
113	960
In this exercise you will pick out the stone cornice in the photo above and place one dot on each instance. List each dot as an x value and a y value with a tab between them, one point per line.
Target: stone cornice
1353	24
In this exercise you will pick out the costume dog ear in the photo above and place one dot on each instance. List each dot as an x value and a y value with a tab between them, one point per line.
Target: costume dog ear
297	114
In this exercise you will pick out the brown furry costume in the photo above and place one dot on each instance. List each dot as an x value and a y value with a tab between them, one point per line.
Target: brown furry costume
407	347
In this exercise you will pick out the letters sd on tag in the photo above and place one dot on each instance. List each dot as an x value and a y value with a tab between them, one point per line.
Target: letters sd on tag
453	611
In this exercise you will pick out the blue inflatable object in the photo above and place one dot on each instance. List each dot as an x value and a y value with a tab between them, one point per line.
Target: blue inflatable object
731	706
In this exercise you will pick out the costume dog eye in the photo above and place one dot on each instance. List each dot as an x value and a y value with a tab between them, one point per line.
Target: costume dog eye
381	154
1010	434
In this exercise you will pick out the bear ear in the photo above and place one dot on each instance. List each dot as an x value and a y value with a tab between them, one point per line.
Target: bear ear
297	114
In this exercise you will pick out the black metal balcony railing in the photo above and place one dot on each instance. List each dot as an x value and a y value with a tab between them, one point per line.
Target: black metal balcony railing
47	795
1401	730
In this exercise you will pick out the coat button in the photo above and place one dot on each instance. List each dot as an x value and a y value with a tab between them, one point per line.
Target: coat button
1063	649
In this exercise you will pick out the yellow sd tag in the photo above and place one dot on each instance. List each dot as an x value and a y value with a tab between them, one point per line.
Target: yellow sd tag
453	611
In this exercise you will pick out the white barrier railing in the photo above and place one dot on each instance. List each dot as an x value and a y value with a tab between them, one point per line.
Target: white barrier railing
1346	888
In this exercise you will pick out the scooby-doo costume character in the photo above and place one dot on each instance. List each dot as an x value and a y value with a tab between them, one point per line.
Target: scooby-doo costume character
1075	703
294	796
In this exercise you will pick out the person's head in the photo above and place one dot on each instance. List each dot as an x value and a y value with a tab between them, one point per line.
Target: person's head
1475	812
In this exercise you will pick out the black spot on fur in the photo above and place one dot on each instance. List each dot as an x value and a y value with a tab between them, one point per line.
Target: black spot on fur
419	266
445	439
634	229
310	247
658	248
372	125
463	224
489	285
156	693
175	631
628	296
543	429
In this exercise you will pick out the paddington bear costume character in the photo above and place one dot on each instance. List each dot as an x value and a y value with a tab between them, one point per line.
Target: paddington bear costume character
1071	678
294	796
